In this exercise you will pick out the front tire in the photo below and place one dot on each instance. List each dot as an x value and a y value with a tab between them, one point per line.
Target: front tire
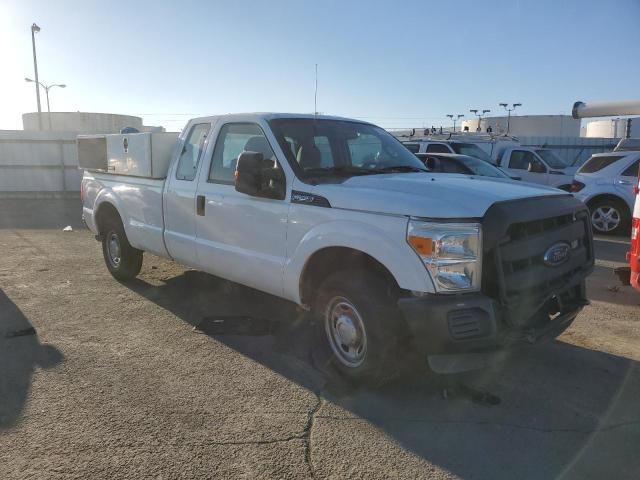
609	216
123	261
360	322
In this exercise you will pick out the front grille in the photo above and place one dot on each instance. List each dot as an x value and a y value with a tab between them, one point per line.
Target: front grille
514	267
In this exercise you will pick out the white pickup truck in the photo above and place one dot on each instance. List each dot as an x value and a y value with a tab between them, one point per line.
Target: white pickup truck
537	165
339	217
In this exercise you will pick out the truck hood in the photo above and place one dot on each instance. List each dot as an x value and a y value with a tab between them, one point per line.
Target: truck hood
425	195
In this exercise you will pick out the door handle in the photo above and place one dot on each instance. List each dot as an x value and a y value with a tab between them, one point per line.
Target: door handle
200	201
624	182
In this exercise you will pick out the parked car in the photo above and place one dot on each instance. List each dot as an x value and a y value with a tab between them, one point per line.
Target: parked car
482	146
538	165
605	184
464	164
445	146
338	217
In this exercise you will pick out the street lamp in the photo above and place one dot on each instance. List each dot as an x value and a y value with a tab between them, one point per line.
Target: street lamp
509	110
35	29
46	89
479	115
455	118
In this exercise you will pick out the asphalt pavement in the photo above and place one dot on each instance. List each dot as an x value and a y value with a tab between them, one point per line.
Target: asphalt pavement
137	381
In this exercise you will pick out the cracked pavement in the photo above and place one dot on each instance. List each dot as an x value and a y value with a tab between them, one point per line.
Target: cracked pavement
117	383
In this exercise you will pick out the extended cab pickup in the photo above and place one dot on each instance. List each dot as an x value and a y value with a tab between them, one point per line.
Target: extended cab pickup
339	217
537	165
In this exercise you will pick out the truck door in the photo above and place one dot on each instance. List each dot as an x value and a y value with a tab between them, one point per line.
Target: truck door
527	165
180	196
240	237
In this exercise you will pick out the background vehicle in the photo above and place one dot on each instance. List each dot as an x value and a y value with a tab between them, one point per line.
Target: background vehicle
483	146
605	183
464	164
537	165
338	217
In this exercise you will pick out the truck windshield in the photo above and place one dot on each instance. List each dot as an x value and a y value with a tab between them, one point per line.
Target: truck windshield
471	150
335	147
551	159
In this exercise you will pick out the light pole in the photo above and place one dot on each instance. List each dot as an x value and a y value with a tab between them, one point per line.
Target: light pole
455	118
35	29
509	110
46	90
479	115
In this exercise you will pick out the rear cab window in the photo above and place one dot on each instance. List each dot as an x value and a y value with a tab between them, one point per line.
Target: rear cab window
595	164
191	152
438	148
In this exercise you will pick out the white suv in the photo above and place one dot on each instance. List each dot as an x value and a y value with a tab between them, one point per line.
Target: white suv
605	183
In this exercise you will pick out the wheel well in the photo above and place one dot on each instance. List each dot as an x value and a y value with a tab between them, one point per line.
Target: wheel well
609	197
332	259
106	211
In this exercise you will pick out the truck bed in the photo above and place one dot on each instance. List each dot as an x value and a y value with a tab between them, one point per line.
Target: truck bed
139	201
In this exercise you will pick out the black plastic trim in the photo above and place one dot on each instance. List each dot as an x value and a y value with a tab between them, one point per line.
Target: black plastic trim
305	198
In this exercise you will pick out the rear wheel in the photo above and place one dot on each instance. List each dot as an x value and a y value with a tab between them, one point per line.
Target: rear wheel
609	216
360	323
123	261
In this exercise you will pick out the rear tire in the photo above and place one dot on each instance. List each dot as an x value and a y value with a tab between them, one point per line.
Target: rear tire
609	216
359	319
123	261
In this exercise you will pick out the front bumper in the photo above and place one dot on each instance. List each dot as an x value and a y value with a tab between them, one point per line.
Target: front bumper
475	323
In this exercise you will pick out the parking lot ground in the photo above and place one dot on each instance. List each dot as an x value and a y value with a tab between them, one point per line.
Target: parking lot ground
117	383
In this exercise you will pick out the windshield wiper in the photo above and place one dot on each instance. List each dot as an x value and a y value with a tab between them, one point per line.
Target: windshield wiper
400	168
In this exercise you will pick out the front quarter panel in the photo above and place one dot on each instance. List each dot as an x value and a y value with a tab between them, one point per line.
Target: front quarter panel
382	237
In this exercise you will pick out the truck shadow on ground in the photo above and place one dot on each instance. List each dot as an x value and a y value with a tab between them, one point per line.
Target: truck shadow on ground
566	410
20	353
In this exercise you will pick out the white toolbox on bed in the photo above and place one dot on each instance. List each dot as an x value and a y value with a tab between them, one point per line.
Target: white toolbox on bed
136	154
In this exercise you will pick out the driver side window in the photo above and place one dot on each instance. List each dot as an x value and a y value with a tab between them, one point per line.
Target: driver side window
520	159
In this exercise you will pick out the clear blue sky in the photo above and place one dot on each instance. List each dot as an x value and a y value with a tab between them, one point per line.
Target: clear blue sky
396	63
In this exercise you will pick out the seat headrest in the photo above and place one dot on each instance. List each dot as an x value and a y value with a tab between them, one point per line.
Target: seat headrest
309	156
259	144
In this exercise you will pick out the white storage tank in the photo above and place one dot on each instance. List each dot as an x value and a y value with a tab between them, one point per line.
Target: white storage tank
80	122
528	125
613	128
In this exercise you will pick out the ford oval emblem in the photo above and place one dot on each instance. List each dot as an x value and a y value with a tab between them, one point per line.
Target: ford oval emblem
557	254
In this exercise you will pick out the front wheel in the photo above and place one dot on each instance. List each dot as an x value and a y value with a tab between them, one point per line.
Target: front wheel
360	323
123	261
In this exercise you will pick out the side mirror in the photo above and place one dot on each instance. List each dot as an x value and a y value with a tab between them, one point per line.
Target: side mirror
536	167
249	173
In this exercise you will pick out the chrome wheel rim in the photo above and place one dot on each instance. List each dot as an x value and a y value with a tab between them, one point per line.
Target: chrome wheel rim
605	218
113	249
346	332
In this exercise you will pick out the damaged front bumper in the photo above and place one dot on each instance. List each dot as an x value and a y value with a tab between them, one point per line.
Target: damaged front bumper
464	332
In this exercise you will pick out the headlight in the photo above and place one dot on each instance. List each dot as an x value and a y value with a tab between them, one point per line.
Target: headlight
452	252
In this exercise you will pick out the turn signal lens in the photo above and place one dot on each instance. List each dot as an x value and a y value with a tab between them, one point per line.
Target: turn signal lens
422	245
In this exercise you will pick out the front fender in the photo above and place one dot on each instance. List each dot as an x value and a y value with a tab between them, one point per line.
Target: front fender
392	251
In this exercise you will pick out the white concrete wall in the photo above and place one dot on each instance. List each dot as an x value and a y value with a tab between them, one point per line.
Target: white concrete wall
81	122
38	161
530	125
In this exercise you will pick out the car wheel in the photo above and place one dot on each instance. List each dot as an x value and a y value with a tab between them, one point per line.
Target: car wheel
123	261
360	323
609	216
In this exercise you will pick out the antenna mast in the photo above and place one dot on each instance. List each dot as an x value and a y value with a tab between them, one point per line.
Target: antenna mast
315	96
